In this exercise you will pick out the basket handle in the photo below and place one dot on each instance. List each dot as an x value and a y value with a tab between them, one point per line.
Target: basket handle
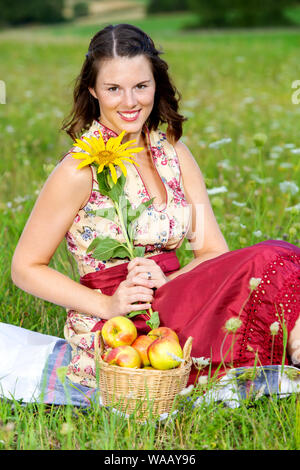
98	345
187	348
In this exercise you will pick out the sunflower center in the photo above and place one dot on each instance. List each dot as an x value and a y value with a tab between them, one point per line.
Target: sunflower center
105	154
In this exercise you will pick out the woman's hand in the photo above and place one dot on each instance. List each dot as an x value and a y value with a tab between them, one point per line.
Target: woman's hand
124	299
138	270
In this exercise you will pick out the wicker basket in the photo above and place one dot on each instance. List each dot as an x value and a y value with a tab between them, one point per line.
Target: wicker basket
141	391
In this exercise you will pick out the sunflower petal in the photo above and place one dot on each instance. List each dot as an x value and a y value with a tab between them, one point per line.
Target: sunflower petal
113	143
122	166
126	144
98	145
130	160
113	173
83	145
128	152
100	167
80	155
85	163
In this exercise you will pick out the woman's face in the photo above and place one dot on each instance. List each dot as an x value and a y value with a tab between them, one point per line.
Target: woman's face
125	89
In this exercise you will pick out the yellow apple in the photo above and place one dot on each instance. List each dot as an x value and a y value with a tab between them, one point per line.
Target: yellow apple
161	332
165	353
123	356
118	331
141	344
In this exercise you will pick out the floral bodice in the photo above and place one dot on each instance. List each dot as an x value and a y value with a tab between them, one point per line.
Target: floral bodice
157	230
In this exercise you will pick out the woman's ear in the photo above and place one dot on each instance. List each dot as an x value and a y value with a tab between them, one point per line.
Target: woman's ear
92	92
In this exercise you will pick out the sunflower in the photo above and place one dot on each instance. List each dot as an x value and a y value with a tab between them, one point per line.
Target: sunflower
110	154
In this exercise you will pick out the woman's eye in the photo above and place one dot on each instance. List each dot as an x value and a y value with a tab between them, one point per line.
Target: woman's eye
113	88
141	86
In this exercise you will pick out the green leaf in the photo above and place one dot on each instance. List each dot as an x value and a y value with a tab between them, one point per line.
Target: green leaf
107	213
104	187
154	321
135	213
139	251
106	248
117	189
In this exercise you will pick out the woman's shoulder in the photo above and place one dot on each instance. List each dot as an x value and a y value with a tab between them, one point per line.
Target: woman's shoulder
76	180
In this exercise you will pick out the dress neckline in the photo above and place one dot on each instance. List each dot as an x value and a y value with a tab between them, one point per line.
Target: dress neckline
107	133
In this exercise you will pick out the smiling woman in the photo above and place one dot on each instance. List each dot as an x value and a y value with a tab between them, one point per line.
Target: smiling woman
124	87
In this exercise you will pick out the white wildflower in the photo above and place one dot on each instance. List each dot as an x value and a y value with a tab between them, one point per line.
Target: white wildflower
254	282
220	189
294	209
203	380
257	233
239	204
295	151
260	392
274	328
288	187
286	165
187	390
208	129
66	428
233	324
217	144
225	164
200	362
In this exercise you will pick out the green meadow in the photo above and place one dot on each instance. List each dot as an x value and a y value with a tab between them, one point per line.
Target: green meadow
243	129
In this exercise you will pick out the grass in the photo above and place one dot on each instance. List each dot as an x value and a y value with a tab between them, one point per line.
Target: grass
234	85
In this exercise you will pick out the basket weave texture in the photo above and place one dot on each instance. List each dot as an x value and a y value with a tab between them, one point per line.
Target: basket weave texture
142	391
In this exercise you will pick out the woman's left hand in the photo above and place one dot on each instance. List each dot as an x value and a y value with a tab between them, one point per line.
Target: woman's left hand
138	269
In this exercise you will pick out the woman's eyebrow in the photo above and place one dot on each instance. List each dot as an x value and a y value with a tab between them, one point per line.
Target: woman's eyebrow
116	84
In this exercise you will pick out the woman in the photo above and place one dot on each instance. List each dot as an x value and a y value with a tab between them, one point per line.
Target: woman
124	85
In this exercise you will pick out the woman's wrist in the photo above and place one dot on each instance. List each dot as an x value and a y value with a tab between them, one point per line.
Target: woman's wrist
104	306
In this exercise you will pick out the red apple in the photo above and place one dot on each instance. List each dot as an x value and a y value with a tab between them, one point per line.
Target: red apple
118	331
161	332
141	344
165	353
123	356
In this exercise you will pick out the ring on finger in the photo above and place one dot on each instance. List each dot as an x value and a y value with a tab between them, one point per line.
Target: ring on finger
149	275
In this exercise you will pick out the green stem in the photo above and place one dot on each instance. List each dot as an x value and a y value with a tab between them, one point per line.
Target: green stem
120	215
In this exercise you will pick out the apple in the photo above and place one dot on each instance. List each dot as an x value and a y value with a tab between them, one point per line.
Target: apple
164	353
141	344
123	356
118	331
163	331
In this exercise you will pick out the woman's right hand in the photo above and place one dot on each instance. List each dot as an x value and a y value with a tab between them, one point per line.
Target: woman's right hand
123	300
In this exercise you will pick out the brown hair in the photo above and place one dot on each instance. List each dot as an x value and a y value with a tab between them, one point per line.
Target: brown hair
124	40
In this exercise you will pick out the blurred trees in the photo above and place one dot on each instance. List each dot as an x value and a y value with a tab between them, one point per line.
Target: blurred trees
15	12
157	6
241	13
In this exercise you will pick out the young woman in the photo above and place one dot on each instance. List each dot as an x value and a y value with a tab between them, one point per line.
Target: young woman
124	85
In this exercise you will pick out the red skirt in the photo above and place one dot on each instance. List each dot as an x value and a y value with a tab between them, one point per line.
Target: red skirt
200	302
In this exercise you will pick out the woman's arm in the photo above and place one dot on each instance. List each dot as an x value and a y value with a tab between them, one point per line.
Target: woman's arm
204	234
63	194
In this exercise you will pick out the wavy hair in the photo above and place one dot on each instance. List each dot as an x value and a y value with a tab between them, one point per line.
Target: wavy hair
124	40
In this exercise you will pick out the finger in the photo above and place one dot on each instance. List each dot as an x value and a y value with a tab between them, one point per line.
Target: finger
138	261
141	297
136	307
143	271
141	281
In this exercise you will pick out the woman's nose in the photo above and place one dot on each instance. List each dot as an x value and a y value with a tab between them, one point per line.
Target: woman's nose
130	99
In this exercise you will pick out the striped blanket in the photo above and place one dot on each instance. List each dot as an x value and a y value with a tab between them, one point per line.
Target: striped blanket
239	384
58	389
